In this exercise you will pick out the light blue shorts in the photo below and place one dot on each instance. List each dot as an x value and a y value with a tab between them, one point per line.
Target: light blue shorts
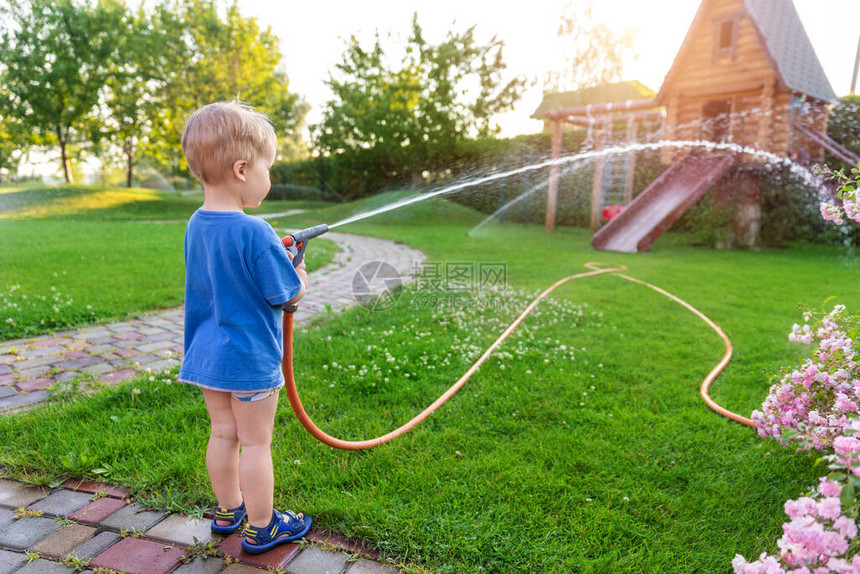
256	395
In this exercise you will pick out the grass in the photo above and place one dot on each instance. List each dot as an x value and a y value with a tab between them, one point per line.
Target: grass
74	255
581	446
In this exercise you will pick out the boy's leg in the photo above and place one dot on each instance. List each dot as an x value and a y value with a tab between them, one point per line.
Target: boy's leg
222	453
255	421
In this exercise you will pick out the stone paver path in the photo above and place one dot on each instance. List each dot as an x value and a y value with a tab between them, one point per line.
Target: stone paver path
42	531
100	525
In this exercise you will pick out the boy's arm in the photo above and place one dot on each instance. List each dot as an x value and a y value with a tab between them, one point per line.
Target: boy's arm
303	278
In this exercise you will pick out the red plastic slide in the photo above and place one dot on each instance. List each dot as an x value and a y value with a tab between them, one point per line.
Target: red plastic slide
662	203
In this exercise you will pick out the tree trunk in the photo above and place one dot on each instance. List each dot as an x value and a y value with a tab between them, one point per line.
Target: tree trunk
67	163
130	170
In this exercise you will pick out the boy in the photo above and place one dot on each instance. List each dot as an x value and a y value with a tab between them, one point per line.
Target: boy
238	277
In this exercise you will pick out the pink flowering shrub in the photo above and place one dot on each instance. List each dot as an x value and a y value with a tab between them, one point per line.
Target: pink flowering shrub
815	402
816	405
821	535
849	193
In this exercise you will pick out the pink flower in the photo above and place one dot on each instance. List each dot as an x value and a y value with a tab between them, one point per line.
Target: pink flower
829	487
831	213
846	527
846	445
830	508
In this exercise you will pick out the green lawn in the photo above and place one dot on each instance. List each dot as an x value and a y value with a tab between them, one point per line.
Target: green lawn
76	254
582	445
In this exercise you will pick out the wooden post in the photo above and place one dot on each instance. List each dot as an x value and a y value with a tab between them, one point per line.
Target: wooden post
552	190
597	177
667	154
632	132
765	120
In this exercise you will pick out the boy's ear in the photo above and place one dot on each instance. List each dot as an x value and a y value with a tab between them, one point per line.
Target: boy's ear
239	167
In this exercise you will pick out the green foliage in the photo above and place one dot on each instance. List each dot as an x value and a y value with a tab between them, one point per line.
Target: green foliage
844	124
207	58
57	56
388	124
95	76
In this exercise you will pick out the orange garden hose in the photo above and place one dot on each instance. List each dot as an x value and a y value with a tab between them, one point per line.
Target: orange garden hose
322	436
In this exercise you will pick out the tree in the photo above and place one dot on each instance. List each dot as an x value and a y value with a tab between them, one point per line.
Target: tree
393	122
56	56
131	91
204	59
592	54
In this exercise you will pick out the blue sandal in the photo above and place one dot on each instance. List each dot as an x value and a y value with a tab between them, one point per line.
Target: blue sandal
283	528
234	516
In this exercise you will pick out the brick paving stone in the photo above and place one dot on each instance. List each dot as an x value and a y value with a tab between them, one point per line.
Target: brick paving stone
202	565
10	561
316	560
49	342
31	363
278	557
5	359
6	517
97	487
158	366
23	399
26	532
7	379
62	503
365	566
159	337
98	510
96	545
101	340
16	495
117	375
74	355
183	530
64	541
76	363
99	349
345	544
133	517
126	352
40	352
99	368
137	556
151	330
128	335
66	376
239	569
92	333
8	391
35	384
42	566
35	372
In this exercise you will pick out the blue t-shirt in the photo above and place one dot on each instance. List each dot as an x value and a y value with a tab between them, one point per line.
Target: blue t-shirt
237	276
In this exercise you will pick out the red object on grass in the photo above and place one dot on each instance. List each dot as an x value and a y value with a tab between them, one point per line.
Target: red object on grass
611	211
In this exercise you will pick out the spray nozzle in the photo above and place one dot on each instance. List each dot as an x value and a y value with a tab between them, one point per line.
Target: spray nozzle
297	242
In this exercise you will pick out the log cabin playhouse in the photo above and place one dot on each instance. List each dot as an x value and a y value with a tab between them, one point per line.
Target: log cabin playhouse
747	74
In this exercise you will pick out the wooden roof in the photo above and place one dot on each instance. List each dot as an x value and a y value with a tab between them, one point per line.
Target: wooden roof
615	92
788	47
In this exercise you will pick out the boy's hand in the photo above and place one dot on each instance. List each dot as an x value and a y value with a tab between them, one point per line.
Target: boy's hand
302	272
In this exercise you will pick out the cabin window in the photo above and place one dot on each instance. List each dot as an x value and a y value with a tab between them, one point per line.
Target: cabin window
726	38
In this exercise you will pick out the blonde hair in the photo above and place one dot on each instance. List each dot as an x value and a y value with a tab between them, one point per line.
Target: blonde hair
220	134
